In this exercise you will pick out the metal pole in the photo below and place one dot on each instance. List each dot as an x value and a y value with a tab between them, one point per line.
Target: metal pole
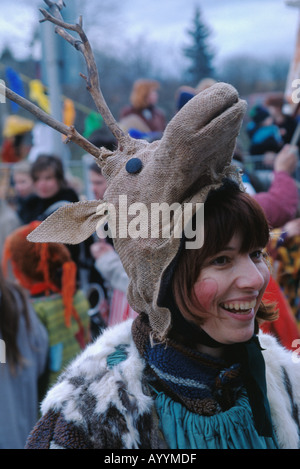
52	79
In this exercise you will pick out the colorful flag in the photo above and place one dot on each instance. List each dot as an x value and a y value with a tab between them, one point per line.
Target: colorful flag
69	113
15	83
93	121
16	125
37	94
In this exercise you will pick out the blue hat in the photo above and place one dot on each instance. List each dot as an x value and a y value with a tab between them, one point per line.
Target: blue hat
259	114
183	98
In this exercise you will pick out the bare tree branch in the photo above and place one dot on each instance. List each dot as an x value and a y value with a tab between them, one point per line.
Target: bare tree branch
70	132
92	80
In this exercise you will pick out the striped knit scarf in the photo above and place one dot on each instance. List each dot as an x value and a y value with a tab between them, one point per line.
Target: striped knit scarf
203	384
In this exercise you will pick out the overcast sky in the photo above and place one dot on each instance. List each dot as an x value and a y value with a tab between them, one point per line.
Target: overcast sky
262	28
253	26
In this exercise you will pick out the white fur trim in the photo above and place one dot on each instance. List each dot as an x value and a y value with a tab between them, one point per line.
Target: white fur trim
277	360
92	364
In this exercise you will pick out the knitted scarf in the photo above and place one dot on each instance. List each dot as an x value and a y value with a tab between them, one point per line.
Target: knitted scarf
205	385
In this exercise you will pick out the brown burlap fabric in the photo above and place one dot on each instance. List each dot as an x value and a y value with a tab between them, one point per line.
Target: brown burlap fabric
193	157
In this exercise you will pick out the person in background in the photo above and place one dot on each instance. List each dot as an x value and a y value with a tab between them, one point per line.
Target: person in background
263	133
16	139
23	359
51	192
284	252
24	189
9	221
286	123
22	180
97	181
280	202
285	327
42	140
106	262
143	117
205	83
50	186
48	273
182	95
110	267
97	287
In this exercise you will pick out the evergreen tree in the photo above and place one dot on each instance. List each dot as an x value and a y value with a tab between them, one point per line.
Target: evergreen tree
199	52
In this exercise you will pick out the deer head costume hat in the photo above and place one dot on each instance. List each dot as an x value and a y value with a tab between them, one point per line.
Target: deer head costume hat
192	158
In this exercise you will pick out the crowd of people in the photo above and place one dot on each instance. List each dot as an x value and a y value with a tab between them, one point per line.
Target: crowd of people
189	372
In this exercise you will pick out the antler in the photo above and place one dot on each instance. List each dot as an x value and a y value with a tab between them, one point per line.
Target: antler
92	80
83	45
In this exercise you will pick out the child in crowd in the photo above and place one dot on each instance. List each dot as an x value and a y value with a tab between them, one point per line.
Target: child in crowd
24	189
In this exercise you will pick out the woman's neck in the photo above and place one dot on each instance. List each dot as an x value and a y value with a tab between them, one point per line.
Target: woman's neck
216	352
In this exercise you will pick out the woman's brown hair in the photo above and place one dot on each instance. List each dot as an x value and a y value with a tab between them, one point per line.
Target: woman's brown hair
227	211
10	313
45	162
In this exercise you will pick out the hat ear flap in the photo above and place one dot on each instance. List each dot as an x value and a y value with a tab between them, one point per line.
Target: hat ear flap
71	224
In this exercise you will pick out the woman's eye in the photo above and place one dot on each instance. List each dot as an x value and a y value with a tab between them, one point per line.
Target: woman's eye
257	255
221	260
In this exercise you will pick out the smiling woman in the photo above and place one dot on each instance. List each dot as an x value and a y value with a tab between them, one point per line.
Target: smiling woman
207	381
50	186
226	279
191	371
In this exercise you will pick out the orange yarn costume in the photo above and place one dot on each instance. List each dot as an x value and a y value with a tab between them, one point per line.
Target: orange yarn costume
36	267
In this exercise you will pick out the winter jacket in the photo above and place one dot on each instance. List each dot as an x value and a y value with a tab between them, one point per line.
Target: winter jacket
35	208
280	203
152	118
99	405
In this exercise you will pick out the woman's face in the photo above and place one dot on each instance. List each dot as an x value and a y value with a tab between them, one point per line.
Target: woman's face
152	98
23	184
230	288
46	184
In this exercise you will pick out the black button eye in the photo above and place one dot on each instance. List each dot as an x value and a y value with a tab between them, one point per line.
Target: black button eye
134	165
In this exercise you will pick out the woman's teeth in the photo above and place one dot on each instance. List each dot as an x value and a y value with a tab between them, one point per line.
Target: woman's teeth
242	307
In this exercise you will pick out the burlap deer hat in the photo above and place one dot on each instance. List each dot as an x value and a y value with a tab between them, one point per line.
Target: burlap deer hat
192	158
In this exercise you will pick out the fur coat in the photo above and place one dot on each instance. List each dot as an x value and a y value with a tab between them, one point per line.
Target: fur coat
95	405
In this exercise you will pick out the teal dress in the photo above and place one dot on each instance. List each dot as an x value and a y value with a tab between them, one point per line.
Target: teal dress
232	429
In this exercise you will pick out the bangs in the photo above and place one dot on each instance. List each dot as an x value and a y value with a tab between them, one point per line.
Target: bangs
230	212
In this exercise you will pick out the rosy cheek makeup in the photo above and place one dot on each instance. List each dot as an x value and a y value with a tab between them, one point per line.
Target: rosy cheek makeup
206	291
